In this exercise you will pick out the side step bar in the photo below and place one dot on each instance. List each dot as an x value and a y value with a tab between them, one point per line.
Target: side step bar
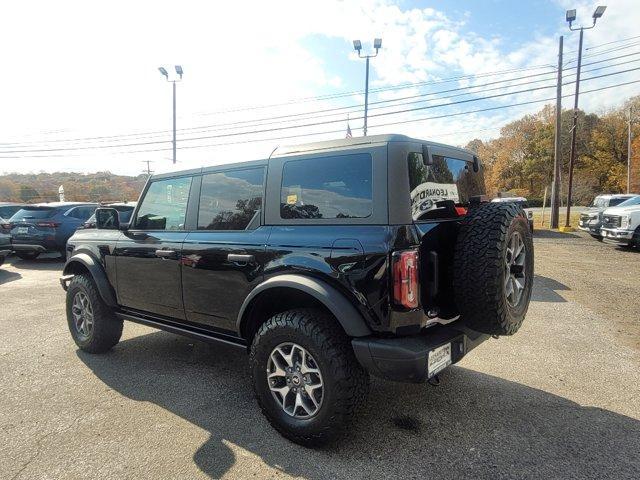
184	330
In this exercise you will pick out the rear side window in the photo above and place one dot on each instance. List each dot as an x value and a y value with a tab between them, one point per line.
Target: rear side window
327	187
33	213
438	188
230	200
164	206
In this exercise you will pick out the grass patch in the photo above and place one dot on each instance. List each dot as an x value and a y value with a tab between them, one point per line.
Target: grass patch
537	219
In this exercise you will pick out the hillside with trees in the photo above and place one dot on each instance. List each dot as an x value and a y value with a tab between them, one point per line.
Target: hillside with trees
94	187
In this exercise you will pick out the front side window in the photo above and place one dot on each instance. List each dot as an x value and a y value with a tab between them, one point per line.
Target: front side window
230	200
82	213
438	188
327	188
164	206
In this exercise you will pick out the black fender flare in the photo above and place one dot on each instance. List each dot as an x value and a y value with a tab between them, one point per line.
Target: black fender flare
97	272
348	316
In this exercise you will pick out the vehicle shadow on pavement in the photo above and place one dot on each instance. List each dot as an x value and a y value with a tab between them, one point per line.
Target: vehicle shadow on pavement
42	264
545	288
473	425
6	277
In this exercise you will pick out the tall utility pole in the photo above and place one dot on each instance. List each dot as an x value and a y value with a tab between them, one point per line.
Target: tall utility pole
557	151
629	152
571	16
357	46
179	72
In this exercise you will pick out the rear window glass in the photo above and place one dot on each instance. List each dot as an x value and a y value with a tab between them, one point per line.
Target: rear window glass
327	188
8	210
438	188
35	213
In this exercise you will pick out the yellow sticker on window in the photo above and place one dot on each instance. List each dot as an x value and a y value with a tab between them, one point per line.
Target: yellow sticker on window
292	199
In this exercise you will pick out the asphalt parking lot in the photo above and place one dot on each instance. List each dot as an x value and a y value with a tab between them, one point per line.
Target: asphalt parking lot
557	400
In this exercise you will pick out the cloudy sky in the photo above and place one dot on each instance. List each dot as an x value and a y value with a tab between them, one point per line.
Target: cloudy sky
81	90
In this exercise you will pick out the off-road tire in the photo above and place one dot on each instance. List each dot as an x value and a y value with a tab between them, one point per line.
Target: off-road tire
597	237
346	383
28	255
479	268
2	259
636	238
107	328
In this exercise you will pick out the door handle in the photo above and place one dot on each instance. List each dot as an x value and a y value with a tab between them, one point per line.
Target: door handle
166	254
234	257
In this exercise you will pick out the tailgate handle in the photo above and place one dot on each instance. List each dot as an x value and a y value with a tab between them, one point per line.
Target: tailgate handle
236	258
166	254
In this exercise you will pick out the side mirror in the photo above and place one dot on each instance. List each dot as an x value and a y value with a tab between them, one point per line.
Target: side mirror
476	164
426	156
107	219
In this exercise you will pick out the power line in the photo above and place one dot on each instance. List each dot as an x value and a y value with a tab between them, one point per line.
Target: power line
304	125
333	112
319	98
401	122
597	54
612	42
267	130
338	110
338	95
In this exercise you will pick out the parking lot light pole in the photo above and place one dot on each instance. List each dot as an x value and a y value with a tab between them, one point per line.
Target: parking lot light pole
571	16
357	46
179	72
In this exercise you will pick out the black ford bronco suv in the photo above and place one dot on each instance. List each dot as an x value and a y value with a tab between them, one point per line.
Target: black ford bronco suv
327	262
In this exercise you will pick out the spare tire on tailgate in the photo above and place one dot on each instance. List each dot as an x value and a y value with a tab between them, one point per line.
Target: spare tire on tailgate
493	268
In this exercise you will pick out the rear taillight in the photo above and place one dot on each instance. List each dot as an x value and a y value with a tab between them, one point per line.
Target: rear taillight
404	266
48	224
461	211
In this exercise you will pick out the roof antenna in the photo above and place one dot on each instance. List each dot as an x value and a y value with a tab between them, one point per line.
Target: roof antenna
273	151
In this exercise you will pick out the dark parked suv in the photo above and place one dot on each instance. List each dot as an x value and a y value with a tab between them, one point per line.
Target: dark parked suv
45	227
327	262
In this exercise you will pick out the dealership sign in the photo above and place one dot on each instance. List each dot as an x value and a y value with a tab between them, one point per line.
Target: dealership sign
425	196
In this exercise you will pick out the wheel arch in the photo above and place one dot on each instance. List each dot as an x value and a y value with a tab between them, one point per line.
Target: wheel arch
82	263
289	291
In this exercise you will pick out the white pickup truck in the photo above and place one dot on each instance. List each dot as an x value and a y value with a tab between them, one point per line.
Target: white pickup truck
621	224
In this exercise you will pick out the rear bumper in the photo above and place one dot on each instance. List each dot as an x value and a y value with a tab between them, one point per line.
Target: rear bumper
617	236
404	359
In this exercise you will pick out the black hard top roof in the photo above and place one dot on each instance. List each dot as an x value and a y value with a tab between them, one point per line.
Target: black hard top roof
327	145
